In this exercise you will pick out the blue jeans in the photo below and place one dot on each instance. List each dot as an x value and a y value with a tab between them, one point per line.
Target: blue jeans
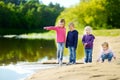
72	57
88	55
60	50
107	56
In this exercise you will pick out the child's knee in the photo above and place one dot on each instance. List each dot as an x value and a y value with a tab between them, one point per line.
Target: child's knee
110	55
103	56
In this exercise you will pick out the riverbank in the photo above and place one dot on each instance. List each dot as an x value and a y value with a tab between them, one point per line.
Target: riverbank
93	71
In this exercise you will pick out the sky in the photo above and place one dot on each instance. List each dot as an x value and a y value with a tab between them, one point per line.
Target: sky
65	3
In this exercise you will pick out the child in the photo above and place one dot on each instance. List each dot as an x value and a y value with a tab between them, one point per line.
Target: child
87	41
71	43
106	53
61	38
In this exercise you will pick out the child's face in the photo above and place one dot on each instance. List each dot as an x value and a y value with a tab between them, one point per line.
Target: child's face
87	31
61	24
71	27
105	47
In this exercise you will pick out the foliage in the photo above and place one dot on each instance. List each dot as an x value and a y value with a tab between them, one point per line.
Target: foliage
96	13
29	16
113	12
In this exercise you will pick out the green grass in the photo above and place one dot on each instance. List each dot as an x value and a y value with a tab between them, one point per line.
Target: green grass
20	31
51	34
109	32
103	32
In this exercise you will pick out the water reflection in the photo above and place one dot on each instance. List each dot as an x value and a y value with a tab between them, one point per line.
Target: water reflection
14	50
30	50
23	55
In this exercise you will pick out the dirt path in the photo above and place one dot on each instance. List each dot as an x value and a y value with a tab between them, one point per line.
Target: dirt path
93	71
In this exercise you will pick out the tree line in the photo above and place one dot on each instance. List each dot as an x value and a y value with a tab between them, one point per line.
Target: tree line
96	13
22	16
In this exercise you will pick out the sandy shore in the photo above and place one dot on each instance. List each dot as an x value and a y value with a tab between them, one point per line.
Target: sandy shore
92	71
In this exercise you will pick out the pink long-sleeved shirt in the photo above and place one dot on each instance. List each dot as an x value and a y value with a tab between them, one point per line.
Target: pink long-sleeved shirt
61	33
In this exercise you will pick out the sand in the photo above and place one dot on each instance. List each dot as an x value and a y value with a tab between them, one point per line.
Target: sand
90	71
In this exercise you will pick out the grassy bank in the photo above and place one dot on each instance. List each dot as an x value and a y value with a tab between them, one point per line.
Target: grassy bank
51	34
20	31
109	32
103	32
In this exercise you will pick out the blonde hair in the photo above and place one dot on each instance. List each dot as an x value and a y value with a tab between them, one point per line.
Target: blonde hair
71	24
88	28
105	44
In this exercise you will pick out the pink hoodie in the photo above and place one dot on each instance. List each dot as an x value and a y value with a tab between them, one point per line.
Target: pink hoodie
61	33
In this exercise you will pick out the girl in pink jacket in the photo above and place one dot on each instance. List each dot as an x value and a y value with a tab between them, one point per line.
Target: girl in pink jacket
61	38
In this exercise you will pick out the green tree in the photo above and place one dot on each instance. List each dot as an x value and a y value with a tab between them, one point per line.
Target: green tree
16	2
113	12
96	13
87	13
28	17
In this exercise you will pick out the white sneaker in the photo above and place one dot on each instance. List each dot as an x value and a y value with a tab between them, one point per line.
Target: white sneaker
69	63
60	63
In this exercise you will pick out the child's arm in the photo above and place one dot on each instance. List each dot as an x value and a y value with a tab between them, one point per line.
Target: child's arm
83	39
91	41
76	40
99	56
66	45
113	54
51	28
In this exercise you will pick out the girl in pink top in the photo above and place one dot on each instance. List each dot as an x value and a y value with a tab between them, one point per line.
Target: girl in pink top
61	38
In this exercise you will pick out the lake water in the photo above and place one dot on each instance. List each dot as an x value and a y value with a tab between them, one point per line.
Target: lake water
22	57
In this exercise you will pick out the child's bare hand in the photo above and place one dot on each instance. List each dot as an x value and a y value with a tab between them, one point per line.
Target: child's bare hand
85	44
45	28
98	60
114	57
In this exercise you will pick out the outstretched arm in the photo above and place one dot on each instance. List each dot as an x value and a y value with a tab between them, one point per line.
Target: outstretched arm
50	28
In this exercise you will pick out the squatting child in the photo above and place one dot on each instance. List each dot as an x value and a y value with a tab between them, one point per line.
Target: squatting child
106	53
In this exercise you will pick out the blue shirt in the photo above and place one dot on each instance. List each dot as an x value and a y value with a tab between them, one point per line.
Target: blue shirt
72	39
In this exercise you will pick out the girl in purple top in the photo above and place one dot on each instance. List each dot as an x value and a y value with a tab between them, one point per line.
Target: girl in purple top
87	41
61	38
